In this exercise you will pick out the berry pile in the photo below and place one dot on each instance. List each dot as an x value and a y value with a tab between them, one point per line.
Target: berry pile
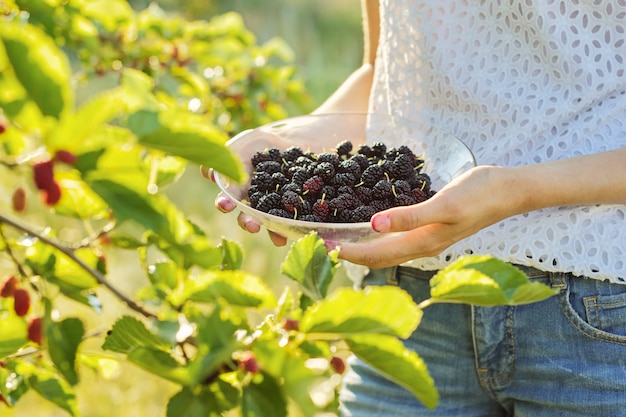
341	186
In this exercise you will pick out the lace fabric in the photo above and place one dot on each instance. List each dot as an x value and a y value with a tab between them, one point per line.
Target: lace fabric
519	82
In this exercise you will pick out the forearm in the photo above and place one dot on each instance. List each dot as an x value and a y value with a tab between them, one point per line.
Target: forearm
352	95
587	180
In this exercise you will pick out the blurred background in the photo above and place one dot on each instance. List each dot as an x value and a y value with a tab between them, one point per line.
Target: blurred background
326	39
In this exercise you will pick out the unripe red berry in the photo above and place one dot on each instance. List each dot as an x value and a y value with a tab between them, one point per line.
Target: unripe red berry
22	302
8	287
43	174
248	363
66	157
3	127
338	364
18	200
34	330
52	193
291	324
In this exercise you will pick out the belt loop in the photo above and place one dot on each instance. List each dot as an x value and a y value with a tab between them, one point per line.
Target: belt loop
391	275
558	280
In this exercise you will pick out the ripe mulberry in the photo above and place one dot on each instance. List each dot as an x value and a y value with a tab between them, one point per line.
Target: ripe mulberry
279	212
326	170
292	202
320	209
382	190
344	178
372	175
313	185
269	167
350	166
292	153
344	148
329	157
268	202
363	214
336	187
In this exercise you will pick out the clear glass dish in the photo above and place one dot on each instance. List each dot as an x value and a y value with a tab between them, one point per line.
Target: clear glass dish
445	158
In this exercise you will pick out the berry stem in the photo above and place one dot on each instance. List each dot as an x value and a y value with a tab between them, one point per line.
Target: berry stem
70	253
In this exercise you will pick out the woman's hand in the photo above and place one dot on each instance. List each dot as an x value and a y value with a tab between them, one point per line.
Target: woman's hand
246	222
470	203
484	196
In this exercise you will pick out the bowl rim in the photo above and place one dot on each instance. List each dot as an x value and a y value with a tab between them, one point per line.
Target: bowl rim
222	181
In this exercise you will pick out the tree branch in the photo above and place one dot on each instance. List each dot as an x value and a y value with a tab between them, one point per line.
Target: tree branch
70	253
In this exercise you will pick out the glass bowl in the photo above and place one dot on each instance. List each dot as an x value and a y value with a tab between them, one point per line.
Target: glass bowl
445	158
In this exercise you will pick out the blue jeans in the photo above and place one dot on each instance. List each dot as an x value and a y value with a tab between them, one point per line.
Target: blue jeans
564	356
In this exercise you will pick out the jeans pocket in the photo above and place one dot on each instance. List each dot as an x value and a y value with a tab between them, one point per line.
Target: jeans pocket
596	308
607	313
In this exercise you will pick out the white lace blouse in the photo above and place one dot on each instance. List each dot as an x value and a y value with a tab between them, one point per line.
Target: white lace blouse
520	82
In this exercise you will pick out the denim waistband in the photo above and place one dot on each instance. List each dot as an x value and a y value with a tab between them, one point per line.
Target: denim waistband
390	275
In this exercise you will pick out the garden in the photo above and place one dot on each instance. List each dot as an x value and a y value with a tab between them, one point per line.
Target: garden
122	290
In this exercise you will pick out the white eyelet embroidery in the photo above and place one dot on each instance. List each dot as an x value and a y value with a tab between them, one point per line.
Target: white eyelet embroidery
520	82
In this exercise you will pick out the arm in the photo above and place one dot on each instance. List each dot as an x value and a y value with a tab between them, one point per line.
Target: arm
484	196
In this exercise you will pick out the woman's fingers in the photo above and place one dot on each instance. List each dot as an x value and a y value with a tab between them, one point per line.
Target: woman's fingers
398	248
277	240
248	223
404	218
224	204
207	173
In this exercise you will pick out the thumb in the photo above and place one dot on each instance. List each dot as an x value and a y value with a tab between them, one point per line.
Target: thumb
399	219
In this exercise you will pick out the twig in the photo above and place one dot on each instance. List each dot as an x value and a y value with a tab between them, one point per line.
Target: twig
9	252
70	253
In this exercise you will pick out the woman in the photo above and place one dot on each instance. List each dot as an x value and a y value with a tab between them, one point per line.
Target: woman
537	91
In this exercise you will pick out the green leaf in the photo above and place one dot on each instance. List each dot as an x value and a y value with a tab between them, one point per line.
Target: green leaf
308	263
298	382
108	13
69	272
72	133
138	87
72	280
13	334
41	67
12	386
186	403
486	281
54	389
129	333
160	363
232	255
78	200
125	242
170	228
381	310
235	287
397	363
163	272
263	399
216	343
128	204
187	136
64	337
